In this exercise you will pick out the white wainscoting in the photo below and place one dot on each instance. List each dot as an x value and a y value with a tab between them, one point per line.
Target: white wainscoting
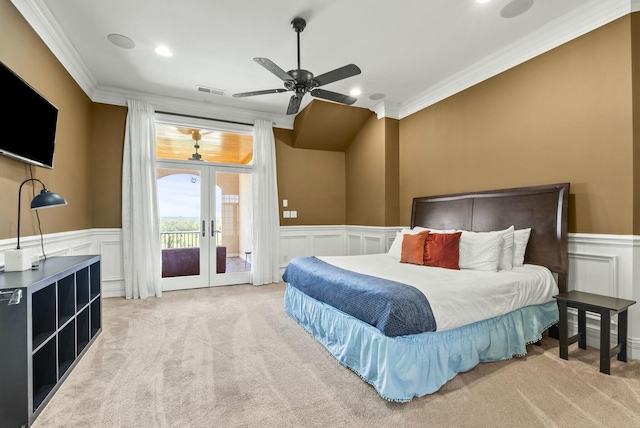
609	265
303	241
106	242
602	264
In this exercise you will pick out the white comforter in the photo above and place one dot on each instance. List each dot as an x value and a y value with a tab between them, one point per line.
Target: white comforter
460	297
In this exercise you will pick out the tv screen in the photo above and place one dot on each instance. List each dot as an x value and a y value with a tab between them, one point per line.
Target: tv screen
28	121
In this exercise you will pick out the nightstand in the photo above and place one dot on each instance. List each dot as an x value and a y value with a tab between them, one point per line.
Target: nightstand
603	305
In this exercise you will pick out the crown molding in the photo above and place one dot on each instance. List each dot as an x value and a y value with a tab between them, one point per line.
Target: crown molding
588	17
40	18
386	109
578	22
119	96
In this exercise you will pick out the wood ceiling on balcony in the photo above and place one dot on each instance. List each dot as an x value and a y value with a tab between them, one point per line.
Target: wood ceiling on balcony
215	146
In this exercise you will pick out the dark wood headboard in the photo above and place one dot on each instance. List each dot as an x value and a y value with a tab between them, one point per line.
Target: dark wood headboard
542	208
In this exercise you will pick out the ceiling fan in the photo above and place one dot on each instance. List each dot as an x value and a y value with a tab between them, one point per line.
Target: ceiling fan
302	81
196	135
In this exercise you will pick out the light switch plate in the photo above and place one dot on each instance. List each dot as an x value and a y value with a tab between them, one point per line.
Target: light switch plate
294	214
285	203
286	214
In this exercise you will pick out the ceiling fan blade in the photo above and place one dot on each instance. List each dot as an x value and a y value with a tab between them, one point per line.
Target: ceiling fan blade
272	67
266	91
294	104
333	96
337	74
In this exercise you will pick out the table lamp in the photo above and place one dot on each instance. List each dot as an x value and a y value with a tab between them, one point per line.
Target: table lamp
20	258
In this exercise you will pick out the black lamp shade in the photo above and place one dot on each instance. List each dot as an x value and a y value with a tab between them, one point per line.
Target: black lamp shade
47	199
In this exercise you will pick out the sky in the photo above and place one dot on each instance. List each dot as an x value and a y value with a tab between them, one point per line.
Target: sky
179	196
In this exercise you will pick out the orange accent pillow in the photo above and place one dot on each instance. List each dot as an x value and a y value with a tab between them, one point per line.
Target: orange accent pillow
413	248
442	250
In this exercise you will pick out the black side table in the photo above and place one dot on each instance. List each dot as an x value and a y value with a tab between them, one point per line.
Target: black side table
603	305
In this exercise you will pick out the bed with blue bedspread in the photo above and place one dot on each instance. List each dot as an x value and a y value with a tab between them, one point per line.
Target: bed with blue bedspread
408	329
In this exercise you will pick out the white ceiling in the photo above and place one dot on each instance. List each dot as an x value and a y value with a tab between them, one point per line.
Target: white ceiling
413	51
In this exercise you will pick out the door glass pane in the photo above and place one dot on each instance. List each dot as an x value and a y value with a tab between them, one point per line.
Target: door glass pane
180	223
233	221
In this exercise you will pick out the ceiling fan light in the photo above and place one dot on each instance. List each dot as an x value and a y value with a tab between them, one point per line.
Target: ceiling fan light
355	92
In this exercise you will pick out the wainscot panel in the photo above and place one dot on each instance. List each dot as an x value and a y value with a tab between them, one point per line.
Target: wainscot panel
602	264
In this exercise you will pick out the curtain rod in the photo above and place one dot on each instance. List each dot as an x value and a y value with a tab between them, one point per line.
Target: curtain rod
206	118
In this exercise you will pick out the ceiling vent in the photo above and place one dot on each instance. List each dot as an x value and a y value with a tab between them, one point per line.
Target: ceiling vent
212	91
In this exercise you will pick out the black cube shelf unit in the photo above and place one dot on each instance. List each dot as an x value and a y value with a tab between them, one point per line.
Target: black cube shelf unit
43	336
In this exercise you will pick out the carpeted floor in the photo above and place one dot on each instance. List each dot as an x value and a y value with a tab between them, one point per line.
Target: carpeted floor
231	357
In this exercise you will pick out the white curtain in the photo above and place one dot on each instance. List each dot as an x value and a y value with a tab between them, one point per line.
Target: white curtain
140	228
266	222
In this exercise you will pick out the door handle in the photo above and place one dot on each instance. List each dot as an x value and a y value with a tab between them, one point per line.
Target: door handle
204	233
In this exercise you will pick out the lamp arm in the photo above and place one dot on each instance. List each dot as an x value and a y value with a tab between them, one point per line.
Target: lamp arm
20	200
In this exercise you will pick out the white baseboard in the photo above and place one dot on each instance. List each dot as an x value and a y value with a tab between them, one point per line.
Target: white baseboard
601	264
593	336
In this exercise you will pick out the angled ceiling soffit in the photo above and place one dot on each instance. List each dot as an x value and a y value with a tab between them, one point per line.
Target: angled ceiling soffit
328	126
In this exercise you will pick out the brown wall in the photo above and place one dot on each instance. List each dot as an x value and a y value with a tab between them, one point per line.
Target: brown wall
635	57
372	175
313	181
365	173
392	172
563	116
107	143
567	115
25	53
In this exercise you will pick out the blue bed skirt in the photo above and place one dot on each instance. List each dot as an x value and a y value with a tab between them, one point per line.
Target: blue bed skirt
404	367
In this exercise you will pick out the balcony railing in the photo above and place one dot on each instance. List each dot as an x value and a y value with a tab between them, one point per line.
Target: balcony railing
187	239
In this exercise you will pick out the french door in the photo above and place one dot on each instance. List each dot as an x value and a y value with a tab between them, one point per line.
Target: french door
205	222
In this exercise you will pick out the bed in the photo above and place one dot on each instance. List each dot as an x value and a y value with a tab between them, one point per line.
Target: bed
418	358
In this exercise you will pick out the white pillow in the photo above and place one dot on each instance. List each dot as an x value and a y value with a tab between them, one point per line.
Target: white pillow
480	250
520	240
395	251
441	230
508	249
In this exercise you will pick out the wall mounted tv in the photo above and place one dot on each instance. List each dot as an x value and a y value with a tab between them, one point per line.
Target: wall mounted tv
28	122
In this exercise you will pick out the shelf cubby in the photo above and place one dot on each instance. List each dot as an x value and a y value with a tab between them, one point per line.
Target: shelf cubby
44	372
94	278
82	288
43	315
66	348
82	330
44	334
66	301
96	318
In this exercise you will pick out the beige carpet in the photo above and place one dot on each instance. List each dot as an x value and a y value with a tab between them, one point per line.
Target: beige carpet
231	357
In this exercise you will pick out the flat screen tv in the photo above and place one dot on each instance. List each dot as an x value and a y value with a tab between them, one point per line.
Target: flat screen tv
28	122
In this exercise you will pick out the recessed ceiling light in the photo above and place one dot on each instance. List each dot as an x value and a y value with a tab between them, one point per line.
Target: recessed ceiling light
355	92
377	97
163	51
121	41
483	1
